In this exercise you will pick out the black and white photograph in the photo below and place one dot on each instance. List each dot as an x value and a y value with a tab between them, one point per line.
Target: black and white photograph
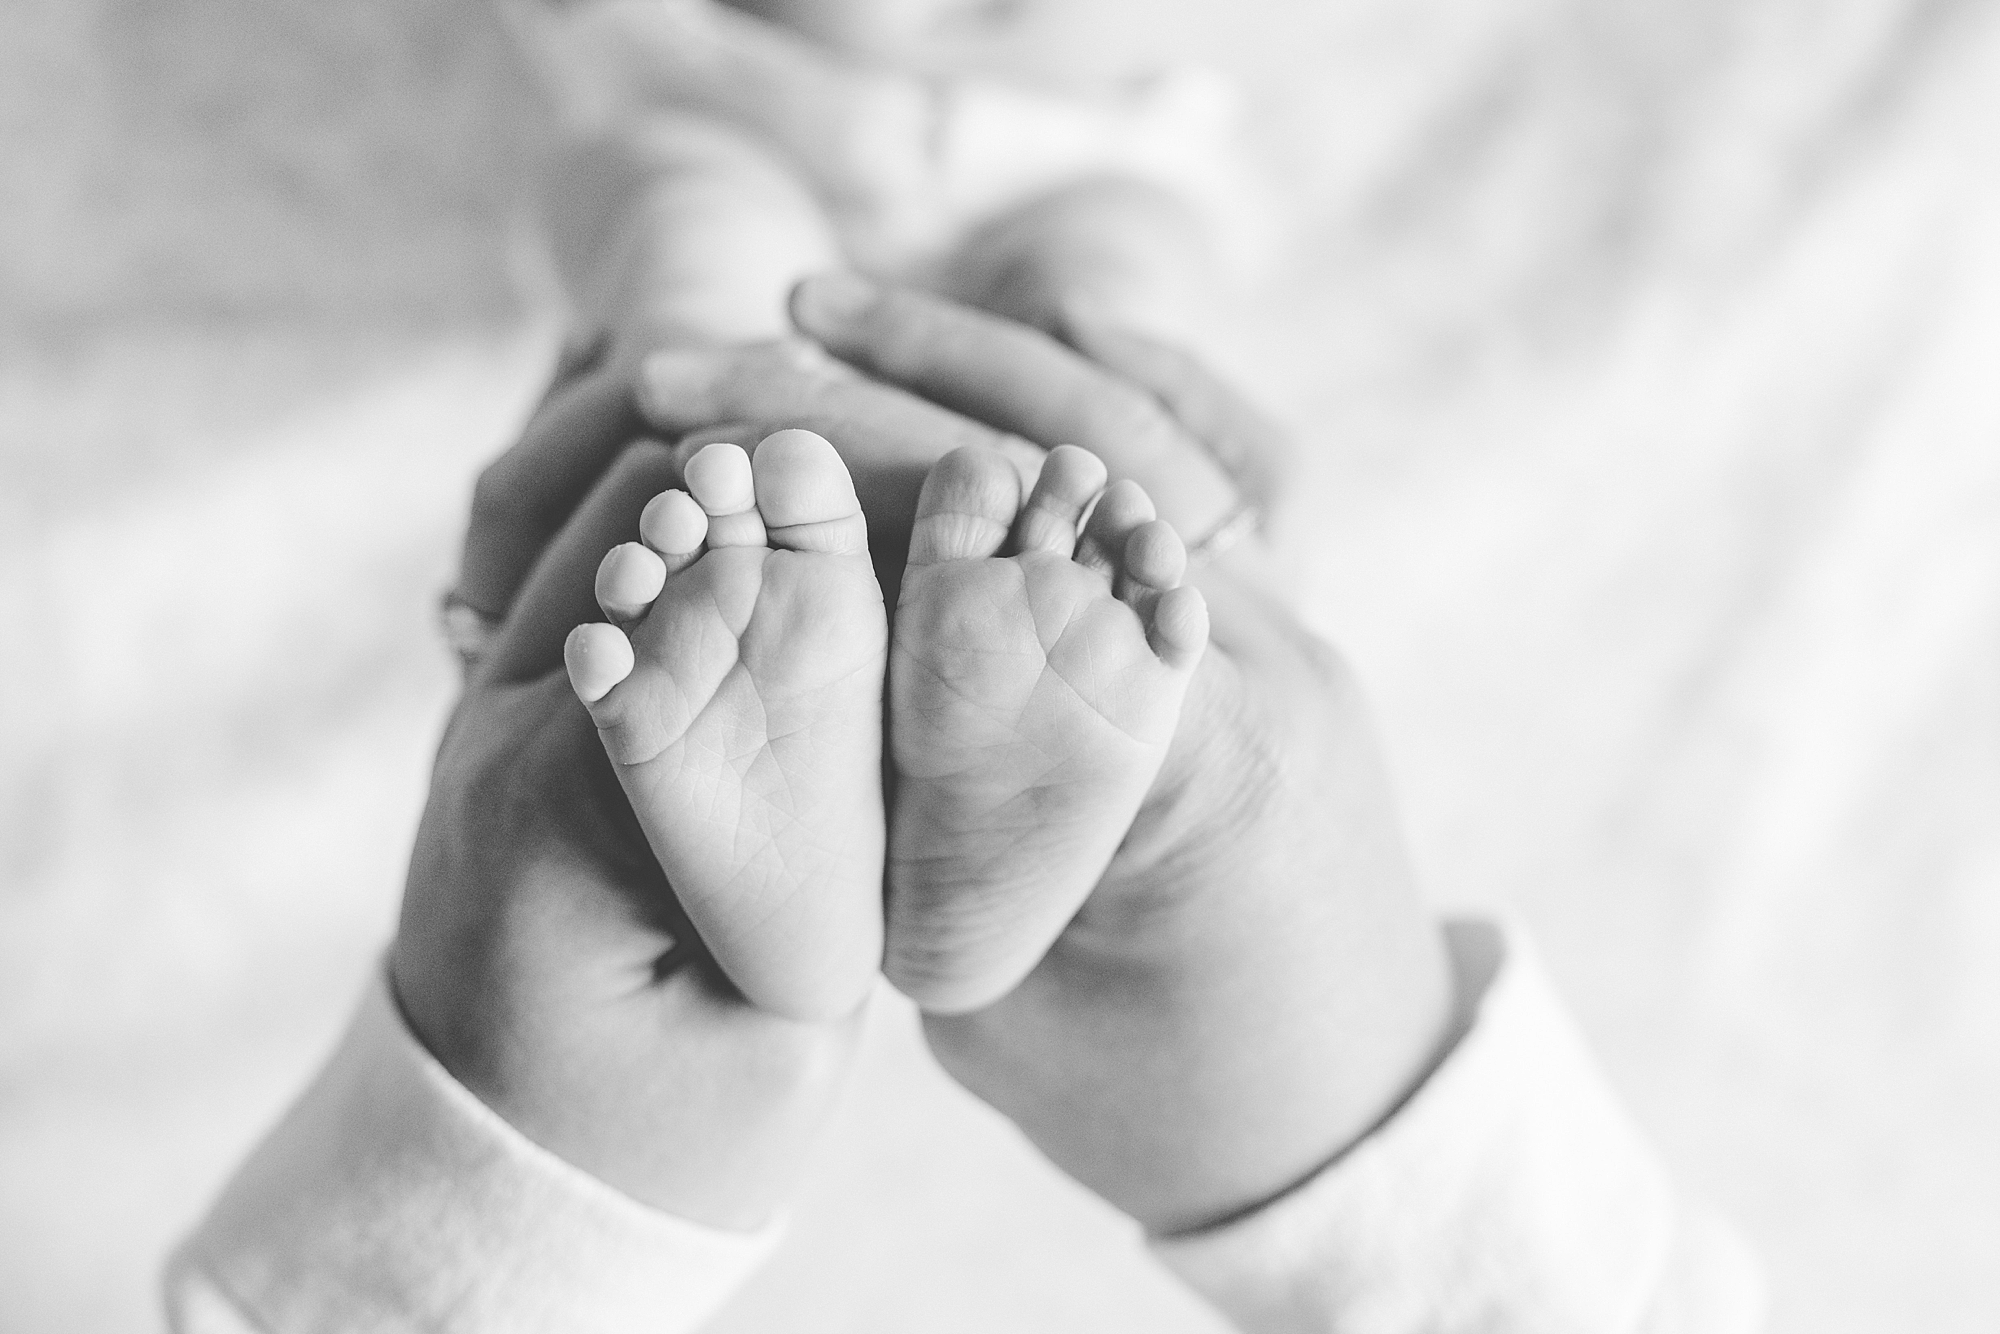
999	667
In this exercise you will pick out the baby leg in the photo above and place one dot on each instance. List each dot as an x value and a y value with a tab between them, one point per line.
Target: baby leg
1134	251
679	230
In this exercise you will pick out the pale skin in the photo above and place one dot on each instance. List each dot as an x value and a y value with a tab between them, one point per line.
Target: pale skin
685	216
1247	989
740	705
1039	666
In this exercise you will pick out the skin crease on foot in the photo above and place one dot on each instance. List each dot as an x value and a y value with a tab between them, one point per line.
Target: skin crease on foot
1041	653
737	690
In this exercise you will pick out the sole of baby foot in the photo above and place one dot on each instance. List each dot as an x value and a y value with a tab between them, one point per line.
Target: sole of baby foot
1036	677
737	689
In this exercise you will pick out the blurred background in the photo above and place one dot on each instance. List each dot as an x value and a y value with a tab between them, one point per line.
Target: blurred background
1647	357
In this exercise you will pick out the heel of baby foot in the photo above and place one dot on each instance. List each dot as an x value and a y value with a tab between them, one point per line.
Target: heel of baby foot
939	985
839	985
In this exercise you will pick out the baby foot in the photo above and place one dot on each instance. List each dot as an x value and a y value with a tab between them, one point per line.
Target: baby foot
741	704
1036	681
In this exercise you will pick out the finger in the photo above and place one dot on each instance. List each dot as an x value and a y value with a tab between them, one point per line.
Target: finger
1017	380
525	496
790	383
579	357
888	438
560	593
1252	449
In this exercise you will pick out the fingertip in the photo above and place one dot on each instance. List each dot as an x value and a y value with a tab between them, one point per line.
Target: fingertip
828	303
597	657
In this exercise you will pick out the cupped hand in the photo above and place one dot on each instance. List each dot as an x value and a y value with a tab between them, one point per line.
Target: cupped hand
1254	983
542	956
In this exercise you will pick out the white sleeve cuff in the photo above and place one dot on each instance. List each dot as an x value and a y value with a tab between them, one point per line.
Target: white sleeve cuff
391	1198
1510	1193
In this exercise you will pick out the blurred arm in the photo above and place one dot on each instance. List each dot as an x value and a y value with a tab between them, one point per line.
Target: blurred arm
391	1198
1510	1193
907	161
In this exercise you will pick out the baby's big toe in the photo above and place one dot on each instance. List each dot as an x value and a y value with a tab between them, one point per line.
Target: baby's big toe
966	508
806	495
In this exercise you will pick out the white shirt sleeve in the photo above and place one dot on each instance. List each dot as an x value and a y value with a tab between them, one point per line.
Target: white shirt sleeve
390	1198
1510	1193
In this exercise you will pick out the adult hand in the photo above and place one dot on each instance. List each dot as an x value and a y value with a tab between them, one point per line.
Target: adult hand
1254	984
542	957
888	437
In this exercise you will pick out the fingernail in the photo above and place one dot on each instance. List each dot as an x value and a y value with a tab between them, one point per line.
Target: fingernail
668	379
834	298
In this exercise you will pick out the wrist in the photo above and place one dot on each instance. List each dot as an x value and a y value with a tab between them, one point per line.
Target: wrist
675	1094
1266	1056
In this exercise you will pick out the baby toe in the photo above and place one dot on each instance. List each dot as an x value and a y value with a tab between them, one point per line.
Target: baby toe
1122	508
1178	631
806	496
1155	560
967	507
1070	480
598	657
720	477
628	579
676	526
